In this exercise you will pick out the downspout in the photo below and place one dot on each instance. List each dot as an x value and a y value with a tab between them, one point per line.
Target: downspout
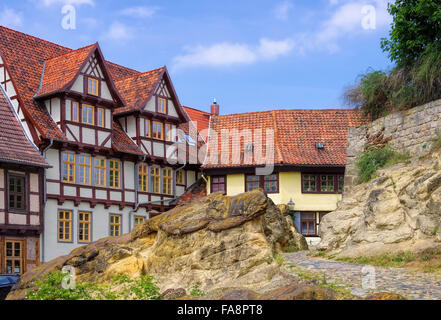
43	153
135	180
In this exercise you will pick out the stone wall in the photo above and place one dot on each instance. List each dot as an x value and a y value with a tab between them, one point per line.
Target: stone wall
408	131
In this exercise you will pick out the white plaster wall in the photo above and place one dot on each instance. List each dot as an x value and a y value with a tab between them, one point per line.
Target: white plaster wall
34	220
158	149
53	158
151	104
102	135
190	178
131	126
53	188
34	205
17	218
129	174
75	130
70	191
105	93
2	217
172	109
108	117
85	192
2	178
88	136
78	85
180	190
34	185
68	106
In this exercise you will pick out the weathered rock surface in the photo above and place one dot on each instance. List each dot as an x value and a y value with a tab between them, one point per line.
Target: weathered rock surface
213	242
400	210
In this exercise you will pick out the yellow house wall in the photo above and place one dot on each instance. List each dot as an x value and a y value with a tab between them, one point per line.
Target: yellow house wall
290	187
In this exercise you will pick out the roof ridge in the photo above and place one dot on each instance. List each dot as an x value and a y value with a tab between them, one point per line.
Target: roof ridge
279	110
120	65
29	35
72	51
139	74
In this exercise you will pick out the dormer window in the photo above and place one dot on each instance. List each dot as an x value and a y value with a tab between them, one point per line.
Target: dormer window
162	105
92	86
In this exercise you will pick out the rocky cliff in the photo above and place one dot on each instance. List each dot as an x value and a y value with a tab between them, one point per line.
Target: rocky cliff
400	210
214	242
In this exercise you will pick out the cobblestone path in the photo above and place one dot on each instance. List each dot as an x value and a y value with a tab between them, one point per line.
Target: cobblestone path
411	284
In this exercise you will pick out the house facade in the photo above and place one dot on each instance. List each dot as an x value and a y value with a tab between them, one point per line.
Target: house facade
109	133
21	189
300	156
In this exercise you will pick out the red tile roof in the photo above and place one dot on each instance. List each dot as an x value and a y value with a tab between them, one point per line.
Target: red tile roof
296	132
61	70
121	141
138	88
199	117
15	146
119	72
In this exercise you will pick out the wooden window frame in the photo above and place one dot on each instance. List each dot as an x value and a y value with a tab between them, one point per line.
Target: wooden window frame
262	182
64	221
143	177
159	105
168	128
167	181
23	194
137	218
85	166
213	183
181	180
87	107
97	83
75	106
308	221
69	164
147	128
113	170
98	172
318	183
155	174
113	225
103	112
161	132
82	223
14	258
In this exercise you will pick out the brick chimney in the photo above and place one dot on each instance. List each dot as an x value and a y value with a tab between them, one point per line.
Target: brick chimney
214	108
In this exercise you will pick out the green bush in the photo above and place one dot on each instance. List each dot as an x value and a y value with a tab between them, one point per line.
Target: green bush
196	291
121	287
373	159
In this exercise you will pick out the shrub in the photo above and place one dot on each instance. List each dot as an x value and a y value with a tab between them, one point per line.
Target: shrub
373	159
196	291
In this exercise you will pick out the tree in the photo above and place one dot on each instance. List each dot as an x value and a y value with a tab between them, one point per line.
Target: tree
416	26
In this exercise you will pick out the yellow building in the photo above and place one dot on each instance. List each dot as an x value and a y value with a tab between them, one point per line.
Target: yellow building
304	152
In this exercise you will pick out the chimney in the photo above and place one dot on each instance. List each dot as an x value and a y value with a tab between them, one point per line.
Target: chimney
214	108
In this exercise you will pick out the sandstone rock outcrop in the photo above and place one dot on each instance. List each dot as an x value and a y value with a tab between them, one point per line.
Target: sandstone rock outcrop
399	210
213	242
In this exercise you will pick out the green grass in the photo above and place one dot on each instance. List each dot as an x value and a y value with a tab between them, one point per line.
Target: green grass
371	160
384	260
279	259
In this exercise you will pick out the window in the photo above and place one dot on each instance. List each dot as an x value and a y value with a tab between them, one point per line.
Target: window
143	177
218	184
75	111
87	114
162	105
84	219
84	169
114	173
64	225
180	177
269	183
326	183
13	256
341	180
17	195
157	131
115	225
68	169
100	172
139	220
147	127
167	181
156	179
100	117
322	183
92	86
168	132
308	223
309	183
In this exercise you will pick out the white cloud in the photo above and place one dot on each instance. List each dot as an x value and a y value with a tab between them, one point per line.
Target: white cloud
11	18
119	31
228	54
48	3
282	10
140	12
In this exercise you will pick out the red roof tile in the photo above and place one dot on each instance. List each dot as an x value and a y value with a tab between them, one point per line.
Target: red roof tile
296	132
136	89
199	117
15	146
61	70
119	72
121	141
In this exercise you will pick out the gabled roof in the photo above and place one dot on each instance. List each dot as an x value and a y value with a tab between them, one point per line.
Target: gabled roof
199	117
121	141
60	71
296	132
119	72
15	146
137	89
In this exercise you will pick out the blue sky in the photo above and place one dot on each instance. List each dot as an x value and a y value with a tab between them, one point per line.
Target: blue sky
250	55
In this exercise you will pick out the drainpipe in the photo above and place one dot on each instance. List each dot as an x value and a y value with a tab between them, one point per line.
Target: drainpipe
43	153
135	180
